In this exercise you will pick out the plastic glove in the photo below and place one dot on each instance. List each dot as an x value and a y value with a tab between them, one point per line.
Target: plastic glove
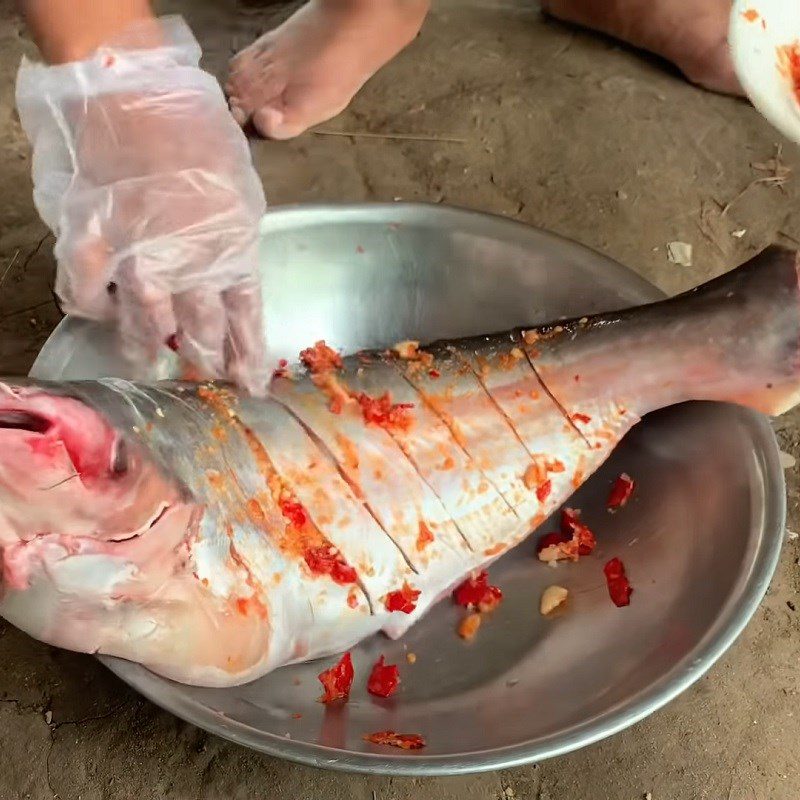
148	184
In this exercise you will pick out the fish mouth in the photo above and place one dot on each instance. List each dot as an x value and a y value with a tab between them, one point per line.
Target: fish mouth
18	420
95	449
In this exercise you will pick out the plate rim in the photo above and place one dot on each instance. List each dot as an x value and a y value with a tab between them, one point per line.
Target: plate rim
718	639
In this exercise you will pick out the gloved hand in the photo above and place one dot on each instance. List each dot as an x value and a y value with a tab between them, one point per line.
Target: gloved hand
148	184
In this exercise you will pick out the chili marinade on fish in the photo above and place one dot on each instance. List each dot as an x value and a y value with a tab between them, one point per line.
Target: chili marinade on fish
214	537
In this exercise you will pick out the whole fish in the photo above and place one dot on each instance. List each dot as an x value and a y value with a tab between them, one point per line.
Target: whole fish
213	537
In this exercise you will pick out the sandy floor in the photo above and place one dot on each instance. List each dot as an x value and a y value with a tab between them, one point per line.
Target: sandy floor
565	131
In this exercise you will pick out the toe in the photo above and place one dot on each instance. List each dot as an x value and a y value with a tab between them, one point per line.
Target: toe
244	58
254	88
289	116
270	122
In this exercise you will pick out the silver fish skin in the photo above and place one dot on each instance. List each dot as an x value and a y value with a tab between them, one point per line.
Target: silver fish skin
214	537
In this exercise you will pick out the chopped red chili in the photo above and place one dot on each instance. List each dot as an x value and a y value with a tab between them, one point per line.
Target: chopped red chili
583	418
620	493
619	588
586	540
405	741
580	533
337	680
327	560
573	540
404	600
570	517
434	373
384	679
550	540
321	358
477	592
294	513
172	342
543	490
382	412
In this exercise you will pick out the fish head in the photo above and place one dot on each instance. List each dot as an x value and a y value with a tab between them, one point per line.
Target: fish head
96	540
65	470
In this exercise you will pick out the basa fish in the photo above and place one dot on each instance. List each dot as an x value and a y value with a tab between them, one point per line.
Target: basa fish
214	537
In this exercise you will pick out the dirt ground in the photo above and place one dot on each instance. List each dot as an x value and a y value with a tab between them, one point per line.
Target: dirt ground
563	130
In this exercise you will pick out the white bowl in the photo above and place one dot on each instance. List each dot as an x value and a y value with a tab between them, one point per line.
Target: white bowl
762	34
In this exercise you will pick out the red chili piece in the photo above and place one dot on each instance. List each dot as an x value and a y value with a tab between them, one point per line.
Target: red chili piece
405	741
620	493
326	560
580	534
337	680
321	358
573	540
550	539
543	490
294	513
583	418
382	412
384	679
586	540
476	592
619	588
404	600
172	342
570	517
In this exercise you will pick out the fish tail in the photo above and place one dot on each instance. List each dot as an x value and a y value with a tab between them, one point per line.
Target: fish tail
734	339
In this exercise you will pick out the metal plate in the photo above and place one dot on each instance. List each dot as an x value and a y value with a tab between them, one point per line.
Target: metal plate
700	540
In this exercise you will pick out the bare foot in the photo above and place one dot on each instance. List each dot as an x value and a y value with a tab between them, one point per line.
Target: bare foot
308	69
690	34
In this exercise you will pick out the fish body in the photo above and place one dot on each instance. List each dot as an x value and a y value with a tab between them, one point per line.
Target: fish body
214	537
